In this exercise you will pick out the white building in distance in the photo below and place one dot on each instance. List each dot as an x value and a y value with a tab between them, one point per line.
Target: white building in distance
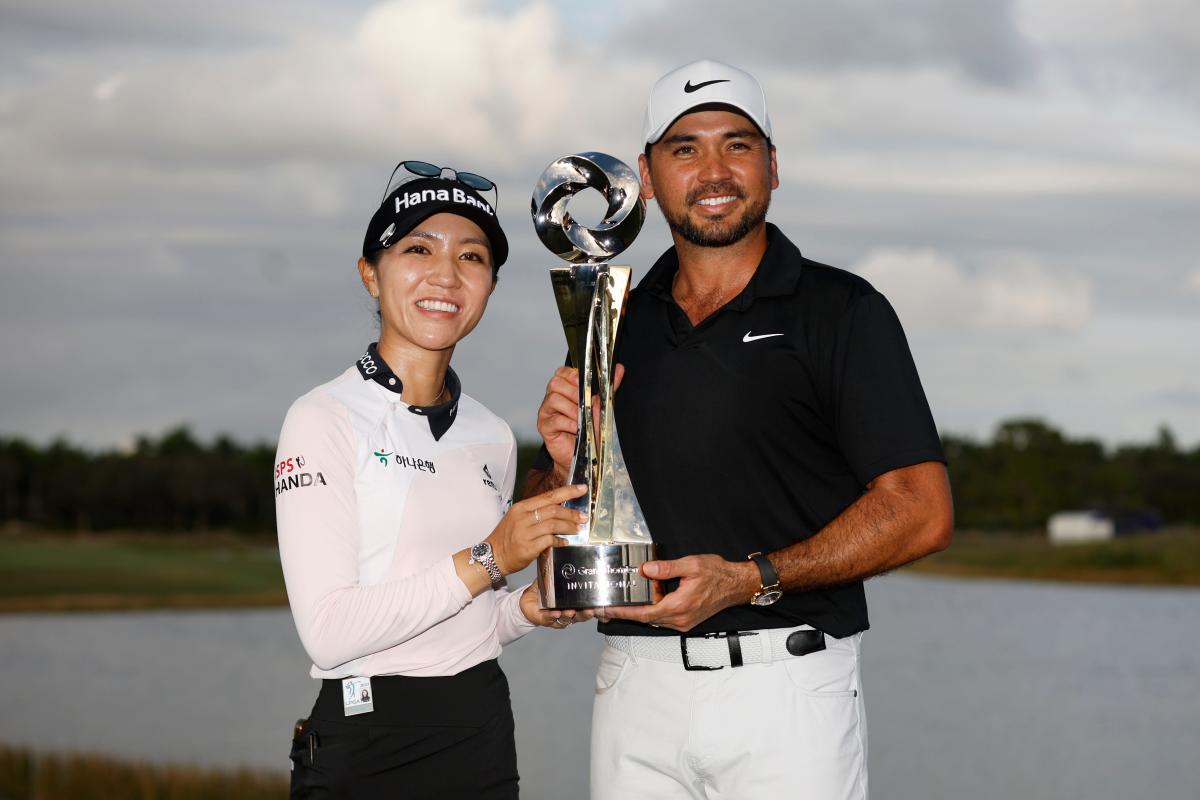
1080	526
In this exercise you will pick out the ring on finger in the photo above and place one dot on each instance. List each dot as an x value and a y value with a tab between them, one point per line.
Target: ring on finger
562	622
537	515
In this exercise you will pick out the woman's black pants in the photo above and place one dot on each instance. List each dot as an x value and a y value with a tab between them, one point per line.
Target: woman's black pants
443	738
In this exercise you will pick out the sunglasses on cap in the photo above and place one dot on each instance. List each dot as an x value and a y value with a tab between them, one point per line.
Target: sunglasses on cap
424	169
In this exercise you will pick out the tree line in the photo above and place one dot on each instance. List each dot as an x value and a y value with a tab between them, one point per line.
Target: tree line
1030	470
175	483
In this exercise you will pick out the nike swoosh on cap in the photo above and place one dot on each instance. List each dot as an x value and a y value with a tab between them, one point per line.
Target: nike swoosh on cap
689	87
752	338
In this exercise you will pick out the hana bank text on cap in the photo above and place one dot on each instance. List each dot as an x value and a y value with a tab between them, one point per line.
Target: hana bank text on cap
414	202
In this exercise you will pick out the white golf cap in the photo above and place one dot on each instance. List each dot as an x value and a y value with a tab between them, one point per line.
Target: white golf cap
701	83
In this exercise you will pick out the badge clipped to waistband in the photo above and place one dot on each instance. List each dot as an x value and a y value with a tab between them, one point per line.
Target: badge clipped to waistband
356	696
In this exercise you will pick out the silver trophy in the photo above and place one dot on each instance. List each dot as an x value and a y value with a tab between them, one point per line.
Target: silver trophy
601	565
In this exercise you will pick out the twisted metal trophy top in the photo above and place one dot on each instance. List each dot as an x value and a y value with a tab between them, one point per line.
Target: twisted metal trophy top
562	234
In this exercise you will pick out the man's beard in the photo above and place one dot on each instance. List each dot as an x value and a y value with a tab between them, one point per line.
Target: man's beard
712	233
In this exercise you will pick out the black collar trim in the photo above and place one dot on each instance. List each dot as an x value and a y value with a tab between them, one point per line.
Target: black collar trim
777	273
372	367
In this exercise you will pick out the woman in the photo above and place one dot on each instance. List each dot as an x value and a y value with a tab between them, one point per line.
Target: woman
396	523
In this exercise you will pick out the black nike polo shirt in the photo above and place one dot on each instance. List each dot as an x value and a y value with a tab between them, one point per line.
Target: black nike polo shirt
757	427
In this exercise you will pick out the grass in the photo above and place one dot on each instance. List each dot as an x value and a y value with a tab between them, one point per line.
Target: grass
59	572
24	774
1170	558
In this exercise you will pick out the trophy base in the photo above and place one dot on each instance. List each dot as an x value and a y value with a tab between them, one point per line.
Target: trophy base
595	576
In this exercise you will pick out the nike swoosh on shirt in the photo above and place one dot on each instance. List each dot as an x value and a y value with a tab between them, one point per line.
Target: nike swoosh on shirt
689	88
749	338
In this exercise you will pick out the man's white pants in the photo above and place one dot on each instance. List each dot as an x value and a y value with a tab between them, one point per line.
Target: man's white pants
794	728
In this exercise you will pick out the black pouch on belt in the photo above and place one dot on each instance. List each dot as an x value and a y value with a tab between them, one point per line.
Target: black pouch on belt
801	643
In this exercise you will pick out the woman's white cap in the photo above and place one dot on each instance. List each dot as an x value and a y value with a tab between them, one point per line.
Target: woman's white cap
699	84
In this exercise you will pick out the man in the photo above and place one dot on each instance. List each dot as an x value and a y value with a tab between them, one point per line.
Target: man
782	450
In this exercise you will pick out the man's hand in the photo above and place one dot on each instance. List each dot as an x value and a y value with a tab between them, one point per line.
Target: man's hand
707	584
558	415
905	514
558	418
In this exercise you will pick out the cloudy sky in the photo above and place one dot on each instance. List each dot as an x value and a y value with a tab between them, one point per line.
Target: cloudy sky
183	190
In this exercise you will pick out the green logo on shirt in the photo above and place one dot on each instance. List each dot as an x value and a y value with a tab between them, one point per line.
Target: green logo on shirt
412	462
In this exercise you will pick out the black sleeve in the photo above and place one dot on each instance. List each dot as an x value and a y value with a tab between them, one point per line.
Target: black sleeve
882	417
541	462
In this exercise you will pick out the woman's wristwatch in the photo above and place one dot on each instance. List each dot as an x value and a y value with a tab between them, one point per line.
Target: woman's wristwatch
481	554
768	590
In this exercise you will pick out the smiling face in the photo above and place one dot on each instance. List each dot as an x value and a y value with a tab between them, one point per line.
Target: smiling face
433	285
712	173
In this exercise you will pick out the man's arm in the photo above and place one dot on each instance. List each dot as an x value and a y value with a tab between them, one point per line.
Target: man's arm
905	514
538	481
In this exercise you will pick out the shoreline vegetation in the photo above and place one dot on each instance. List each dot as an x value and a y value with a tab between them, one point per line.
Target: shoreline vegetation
53	571
1170	557
173	522
76	776
49	572
1027	471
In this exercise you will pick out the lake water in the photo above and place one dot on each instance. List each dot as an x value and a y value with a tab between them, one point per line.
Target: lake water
976	690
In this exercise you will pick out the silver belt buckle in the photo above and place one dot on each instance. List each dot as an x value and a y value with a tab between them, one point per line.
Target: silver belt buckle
732	638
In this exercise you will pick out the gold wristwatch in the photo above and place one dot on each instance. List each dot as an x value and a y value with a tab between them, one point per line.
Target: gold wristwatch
769	591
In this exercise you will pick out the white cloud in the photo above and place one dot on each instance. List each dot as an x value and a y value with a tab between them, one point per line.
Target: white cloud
1122	46
1120	378
1113	25
475	82
108	88
932	290
71	24
1192	282
977	40
926	131
294	119
176	162
516	89
1020	292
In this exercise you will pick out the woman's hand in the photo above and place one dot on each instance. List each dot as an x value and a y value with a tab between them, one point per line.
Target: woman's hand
531	607
532	525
